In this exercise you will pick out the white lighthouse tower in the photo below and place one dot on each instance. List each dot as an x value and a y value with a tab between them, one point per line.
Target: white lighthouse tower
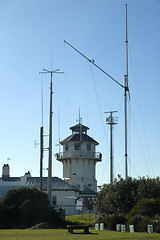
79	159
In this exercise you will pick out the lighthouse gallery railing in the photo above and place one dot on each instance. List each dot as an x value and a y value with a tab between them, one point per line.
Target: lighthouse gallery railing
79	153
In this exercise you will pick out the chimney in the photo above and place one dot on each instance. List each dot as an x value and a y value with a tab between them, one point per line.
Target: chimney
5	171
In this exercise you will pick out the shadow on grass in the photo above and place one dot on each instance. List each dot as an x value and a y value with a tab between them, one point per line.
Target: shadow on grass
83	233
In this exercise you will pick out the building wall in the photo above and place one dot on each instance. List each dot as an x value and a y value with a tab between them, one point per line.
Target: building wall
69	150
67	200
80	171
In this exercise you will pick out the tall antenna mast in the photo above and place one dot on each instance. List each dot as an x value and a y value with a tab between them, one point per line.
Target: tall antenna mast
125	86
125	102
50	136
111	121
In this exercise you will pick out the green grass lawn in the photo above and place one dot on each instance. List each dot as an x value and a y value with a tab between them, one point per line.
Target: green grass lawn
30	234
62	234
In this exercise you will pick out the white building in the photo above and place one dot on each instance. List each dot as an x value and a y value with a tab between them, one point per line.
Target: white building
79	183
79	158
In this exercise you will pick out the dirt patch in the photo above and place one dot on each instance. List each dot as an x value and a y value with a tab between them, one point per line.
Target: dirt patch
44	225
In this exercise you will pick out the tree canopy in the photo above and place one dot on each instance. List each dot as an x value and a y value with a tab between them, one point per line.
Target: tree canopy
129	201
25	207
17	197
123	195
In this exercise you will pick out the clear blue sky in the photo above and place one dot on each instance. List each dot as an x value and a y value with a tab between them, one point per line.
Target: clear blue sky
31	32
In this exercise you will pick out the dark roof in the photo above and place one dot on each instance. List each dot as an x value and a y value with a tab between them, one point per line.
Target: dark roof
88	192
57	183
76	138
10	179
78	126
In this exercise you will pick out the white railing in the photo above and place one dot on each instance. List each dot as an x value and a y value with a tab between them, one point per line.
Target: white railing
79	154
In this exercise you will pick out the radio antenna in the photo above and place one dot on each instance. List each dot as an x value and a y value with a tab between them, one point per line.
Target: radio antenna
125	87
111	121
45	71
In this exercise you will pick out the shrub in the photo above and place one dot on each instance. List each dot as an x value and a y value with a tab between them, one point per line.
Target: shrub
54	217
146	207
140	222
9	217
114	219
27	207
156	223
100	218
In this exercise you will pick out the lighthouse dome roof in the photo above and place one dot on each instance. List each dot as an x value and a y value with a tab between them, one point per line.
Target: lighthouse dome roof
79	126
79	134
76	138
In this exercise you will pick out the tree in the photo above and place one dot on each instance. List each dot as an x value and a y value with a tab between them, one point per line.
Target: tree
16	197
31	204
27	207
123	195
148	188
146	207
10	216
117	198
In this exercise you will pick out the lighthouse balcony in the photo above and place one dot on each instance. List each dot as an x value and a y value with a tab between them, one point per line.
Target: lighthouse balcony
79	154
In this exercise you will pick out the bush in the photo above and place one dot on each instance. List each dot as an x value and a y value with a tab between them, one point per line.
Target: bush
27	207
114	219
54	217
110	220
16	197
100	218
156	223
10	217
146	207
121	196
140	223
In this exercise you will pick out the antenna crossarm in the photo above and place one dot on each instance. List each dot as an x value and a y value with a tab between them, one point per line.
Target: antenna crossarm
91	61
59	72
48	71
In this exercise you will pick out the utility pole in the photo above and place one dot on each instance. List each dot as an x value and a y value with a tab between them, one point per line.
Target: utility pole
49	188
111	121
41	140
41	156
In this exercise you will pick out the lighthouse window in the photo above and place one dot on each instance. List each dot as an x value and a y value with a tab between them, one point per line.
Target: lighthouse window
67	147
77	146
89	147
